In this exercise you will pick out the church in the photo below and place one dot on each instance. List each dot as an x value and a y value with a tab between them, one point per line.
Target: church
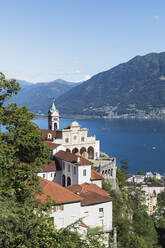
70	178
73	153
74	138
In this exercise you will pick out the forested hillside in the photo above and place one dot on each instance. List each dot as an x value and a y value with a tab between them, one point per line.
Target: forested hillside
136	87
38	97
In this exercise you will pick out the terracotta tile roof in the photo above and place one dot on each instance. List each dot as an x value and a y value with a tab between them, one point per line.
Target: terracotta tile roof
84	161
72	158
91	193
82	224
45	133
67	156
51	167
51	145
67	127
56	192
95	175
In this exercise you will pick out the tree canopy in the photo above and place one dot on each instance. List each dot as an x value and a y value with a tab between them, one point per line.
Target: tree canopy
135	228
25	222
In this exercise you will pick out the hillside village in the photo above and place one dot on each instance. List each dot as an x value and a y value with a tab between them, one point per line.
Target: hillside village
89	192
70	178
73	178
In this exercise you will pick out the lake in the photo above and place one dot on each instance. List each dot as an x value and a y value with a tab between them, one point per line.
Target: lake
140	142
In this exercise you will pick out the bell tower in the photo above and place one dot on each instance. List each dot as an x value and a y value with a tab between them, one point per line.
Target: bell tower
53	118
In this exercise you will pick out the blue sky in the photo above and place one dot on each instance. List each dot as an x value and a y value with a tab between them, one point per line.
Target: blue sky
42	40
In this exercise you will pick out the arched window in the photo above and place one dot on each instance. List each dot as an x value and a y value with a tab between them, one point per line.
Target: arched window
68	181
91	152
68	150
111	172
83	152
49	136
63	180
75	150
55	126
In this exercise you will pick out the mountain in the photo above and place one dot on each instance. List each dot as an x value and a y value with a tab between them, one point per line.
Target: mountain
38	97
136	87
24	83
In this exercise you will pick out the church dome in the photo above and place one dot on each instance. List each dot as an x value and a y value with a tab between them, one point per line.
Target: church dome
75	124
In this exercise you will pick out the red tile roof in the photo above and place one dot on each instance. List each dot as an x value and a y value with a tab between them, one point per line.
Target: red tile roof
95	175
67	127
82	224
56	192
84	161
51	167
72	158
45	133
67	156
51	145
91	193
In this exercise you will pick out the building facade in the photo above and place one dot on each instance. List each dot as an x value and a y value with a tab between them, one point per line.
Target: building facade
74	138
86	201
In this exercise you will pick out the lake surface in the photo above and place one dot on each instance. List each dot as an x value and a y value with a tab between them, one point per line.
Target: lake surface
140	142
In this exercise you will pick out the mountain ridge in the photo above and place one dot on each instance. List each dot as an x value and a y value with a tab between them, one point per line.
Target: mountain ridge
38	97
132	88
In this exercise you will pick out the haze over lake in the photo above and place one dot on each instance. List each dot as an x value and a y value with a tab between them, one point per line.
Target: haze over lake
140	142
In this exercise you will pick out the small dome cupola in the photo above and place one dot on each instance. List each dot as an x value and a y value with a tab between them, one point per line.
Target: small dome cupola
53	117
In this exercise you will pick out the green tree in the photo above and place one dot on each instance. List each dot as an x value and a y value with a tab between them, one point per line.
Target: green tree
135	227
22	153
121	178
124	166
139	172
7	88
23	219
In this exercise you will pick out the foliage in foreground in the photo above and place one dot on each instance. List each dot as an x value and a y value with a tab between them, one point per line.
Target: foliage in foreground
135	227
23	222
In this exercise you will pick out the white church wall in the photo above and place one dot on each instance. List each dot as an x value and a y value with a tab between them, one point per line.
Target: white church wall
97	182
152	190
71	212
97	149
98	215
58	148
70	170
84	174
47	175
58	177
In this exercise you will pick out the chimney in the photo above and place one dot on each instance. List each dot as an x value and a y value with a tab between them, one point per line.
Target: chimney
78	159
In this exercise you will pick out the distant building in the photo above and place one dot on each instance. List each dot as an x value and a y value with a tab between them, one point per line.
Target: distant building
136	179
151	189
